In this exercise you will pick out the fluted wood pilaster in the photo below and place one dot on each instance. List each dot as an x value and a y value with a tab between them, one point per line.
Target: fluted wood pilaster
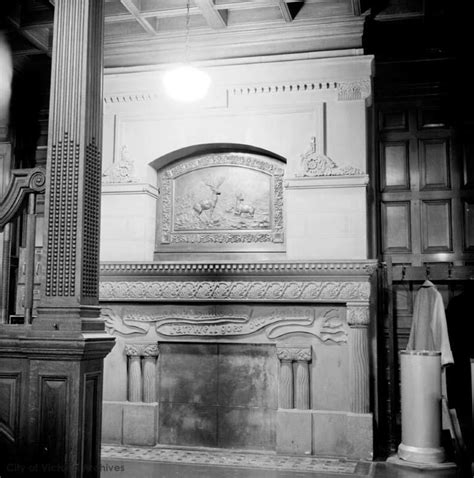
72	203
358	318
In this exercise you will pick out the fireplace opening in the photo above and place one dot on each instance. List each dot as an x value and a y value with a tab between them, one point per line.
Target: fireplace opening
218	395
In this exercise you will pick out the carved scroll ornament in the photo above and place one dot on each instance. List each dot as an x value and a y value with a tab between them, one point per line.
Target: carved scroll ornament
23	181
314	164
324	324
121	172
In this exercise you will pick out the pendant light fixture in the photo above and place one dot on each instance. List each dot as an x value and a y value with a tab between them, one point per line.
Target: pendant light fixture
186	83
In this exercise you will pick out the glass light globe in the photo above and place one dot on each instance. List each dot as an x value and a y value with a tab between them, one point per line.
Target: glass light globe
186	83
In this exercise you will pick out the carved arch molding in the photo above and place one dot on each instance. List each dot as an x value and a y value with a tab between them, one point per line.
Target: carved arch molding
230	201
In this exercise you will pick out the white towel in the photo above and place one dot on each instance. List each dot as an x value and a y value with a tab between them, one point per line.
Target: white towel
429	330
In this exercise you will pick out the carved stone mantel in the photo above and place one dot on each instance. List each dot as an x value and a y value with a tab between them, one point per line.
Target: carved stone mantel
335	281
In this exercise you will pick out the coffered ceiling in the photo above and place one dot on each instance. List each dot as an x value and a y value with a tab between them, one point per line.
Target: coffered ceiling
144	32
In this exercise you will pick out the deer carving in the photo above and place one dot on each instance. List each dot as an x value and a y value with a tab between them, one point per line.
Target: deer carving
210	203
241	208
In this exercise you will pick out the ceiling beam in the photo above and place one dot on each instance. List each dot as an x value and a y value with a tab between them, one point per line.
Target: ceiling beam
285	10
356	7
216	19
133	7
39	37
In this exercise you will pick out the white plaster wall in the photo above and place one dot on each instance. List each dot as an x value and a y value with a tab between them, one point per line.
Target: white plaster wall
276	104
128	223
327	223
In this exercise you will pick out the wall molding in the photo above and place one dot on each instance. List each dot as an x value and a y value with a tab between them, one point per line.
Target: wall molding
312	268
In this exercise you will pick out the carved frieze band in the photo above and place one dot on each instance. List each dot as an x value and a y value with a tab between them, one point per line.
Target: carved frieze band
358	315
294	353
142	350
346	90
235	290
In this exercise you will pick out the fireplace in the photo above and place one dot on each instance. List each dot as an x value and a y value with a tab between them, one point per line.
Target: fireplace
259	356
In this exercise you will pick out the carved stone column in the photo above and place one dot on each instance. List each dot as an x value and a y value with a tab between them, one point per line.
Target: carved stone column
134	373
358	319
285	389
303	356
150	354
294	388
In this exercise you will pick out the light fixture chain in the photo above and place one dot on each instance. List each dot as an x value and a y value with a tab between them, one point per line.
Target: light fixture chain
186	45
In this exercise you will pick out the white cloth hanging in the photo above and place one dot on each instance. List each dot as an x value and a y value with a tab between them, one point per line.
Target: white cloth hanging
429	330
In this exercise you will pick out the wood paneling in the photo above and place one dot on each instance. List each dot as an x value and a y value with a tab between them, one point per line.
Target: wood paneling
396	226
436	224
469	225
53	417
468	169
9	404
395	167
431	118
91	426
394	120
434	164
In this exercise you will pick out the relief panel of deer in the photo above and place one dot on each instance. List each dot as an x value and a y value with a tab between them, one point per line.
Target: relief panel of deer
222	198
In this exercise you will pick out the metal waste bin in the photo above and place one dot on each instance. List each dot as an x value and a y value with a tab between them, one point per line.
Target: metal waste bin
421	407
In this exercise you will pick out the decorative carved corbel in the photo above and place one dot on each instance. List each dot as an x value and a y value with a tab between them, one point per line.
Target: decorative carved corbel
23	182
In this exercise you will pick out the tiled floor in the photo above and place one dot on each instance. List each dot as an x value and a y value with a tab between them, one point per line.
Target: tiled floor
138	469
162	462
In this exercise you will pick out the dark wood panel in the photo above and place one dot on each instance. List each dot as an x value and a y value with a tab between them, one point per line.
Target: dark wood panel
395	167
468	159
432	118
91	427
394	120
9	404
436	226
434	164
469	225
53	418
396	226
